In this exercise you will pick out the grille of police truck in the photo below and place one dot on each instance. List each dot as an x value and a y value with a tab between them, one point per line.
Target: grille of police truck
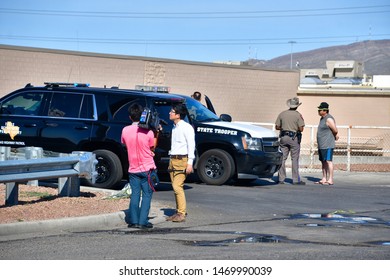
271	145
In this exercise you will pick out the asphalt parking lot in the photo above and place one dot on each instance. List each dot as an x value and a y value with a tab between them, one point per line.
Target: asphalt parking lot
260	220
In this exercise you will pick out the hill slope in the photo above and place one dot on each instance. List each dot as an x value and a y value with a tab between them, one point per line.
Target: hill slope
375	54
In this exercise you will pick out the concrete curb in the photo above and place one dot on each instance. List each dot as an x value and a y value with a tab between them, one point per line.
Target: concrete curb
64	224
74	224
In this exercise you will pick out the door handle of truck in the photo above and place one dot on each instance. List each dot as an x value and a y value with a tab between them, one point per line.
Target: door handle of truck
51	124
82	127
30	125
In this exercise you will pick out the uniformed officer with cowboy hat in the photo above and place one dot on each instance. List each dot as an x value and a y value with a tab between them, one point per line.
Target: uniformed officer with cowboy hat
291	124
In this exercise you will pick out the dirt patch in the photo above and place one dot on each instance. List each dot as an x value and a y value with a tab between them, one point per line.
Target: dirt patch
38	203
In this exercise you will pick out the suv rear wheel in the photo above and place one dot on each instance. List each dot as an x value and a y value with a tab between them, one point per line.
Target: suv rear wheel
109	169
215	167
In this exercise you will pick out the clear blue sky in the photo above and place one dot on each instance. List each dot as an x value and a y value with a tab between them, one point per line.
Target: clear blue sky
201	30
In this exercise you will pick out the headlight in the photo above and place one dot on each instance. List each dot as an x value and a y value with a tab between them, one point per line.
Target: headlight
250	143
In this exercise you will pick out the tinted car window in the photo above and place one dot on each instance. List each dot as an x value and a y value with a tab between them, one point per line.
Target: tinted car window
65	105
163	111
87	108
122	113
163	108
117	105
26	103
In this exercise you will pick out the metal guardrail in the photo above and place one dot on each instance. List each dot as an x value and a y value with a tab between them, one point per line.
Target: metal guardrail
14	172
67	168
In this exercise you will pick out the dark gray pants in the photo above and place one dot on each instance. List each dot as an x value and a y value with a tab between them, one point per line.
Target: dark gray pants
288	145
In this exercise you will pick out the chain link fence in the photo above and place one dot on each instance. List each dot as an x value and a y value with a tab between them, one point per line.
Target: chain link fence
359	148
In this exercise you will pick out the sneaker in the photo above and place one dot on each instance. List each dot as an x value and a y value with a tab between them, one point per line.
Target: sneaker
299	183
133	225
147	226
179	218
281	182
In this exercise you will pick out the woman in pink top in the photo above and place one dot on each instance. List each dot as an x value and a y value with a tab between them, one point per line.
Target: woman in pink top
140	145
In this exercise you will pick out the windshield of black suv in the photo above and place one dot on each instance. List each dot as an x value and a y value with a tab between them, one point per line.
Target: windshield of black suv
198	112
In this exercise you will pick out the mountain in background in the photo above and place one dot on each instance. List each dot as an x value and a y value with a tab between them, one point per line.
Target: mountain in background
375	54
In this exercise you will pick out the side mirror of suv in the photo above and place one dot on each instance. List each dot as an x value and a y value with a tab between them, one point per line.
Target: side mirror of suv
225	118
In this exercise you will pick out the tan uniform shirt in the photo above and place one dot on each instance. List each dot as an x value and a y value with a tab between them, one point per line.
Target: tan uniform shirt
290	120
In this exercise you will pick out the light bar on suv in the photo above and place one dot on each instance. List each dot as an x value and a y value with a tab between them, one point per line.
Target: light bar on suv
153	88
50	84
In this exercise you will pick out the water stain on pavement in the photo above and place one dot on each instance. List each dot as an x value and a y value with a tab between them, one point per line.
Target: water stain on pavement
338	218
325	220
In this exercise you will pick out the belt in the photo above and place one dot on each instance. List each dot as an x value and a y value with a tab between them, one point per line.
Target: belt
292	134
179	156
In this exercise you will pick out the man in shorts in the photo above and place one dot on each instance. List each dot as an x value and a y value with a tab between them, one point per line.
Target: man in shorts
327	134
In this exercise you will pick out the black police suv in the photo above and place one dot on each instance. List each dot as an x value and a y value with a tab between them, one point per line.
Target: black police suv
63	117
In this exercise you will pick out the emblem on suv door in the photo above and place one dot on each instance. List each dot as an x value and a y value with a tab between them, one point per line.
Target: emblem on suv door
10	129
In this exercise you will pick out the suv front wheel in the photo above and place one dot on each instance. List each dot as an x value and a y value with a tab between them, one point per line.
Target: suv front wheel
109	170
215	167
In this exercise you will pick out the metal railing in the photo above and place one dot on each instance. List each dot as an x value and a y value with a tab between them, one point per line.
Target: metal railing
359	148
24	168
14	172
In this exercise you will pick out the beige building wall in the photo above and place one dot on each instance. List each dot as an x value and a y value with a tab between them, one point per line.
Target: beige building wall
246	93
352	110
365	109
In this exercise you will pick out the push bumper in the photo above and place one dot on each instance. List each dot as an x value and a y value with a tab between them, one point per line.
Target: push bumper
256	164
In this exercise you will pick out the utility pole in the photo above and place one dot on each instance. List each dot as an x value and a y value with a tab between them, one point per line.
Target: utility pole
291	52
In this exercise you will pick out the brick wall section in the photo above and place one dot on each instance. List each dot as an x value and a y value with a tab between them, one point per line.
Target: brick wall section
246	93
352	110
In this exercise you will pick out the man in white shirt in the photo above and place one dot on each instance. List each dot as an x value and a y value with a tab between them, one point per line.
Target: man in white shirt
182	155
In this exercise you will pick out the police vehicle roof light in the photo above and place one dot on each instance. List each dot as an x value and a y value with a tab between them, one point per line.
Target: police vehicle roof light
153	88
56	84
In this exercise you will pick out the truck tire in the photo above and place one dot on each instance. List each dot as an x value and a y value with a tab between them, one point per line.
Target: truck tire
215	167
109	169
